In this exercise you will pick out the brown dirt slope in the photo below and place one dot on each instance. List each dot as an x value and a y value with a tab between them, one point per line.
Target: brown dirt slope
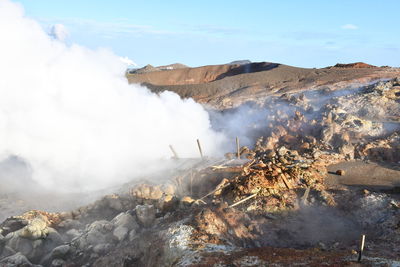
356	65
226	86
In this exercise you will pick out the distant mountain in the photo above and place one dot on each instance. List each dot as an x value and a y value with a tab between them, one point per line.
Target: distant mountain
229	85
356	65
149	68
240	62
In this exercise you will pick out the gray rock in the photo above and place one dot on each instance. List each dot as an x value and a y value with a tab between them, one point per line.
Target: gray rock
57	263
69	224
125	220
132	235
96	233
20	244
2	242
101	248
17	259
12	224
101	226
34	249
146	214
115	203
6	252
120	232
60	251
72	233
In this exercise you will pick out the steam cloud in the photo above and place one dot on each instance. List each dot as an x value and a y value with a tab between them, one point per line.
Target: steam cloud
69	113
59	31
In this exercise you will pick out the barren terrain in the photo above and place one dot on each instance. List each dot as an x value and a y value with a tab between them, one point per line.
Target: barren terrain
321	170
227	86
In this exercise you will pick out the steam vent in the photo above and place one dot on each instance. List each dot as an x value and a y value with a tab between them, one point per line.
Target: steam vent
107	163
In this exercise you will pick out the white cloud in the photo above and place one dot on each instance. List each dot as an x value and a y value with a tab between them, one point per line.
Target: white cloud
108	29
59	32
349	27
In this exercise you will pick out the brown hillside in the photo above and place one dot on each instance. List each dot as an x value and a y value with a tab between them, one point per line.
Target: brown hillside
225	86
356	65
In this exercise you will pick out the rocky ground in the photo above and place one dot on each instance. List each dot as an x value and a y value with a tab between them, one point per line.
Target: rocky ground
322	171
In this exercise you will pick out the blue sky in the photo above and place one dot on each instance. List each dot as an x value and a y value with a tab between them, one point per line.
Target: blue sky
300	33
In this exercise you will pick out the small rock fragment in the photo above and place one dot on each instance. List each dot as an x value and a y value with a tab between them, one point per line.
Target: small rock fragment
340	172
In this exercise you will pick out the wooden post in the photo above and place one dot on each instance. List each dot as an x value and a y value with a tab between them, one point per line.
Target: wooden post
198	144
215	190
283	177
238	147
191	182
305	196
362	243
243	200
173	152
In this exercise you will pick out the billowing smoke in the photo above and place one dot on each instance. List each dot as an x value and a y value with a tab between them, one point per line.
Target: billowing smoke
69	113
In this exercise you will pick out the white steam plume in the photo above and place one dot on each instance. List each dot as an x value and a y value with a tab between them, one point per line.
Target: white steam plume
59	32
69	112
128	62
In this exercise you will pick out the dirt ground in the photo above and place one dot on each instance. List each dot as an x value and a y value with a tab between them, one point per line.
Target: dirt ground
369	175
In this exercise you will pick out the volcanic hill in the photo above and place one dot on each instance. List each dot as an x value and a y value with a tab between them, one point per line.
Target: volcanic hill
229	85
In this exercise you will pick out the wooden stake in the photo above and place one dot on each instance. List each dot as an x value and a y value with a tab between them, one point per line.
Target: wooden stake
215	190
283	177
305	196
238	147
243	200
191	182
173	151
198	144
361	247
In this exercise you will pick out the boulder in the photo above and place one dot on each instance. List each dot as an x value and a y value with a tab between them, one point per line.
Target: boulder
126	220
70	223
34	249
146	214
96	233
132	235
12	224
167	203
36	229
120	233
123	223
186	201
6	252
57	263
71	234
60	252
102	248
16	260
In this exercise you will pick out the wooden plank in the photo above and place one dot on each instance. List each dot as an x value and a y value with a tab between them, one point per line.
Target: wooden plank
238	147
200	150
173	151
